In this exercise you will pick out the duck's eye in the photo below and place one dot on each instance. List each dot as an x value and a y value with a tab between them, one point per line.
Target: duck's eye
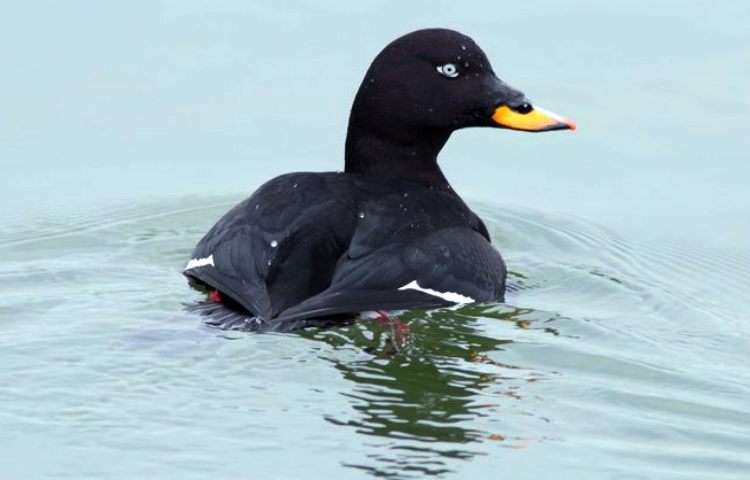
449	70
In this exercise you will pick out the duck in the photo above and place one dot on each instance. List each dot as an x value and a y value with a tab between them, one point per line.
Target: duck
388	232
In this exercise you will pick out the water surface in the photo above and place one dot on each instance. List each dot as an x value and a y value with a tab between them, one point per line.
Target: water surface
600	353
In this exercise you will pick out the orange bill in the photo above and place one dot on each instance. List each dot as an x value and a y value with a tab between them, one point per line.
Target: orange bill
536	120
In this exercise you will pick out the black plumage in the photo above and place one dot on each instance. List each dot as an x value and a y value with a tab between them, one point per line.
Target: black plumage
387	233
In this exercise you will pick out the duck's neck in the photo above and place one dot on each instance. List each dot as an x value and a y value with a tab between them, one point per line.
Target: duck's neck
393	157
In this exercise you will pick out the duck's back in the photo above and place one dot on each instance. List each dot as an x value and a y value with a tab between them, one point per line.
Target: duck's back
280	245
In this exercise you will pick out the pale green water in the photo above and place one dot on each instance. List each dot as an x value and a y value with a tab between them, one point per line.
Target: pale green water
622	352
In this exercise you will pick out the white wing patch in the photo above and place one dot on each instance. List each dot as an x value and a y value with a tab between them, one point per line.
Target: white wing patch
447	296
200	262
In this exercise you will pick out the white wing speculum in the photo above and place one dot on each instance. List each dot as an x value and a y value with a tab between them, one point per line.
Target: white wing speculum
447	296
200	262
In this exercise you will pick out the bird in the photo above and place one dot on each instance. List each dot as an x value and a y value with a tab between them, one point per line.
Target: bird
388	232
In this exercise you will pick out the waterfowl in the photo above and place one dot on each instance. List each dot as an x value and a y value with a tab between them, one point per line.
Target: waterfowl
387	233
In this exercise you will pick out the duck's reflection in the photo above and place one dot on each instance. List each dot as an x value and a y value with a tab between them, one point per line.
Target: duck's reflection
432	399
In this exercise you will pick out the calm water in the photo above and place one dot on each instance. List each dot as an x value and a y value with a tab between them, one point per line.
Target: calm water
622	350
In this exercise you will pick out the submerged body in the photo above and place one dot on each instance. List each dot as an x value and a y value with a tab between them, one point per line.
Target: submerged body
387	233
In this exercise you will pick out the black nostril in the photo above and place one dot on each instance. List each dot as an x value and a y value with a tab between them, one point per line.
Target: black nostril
523	108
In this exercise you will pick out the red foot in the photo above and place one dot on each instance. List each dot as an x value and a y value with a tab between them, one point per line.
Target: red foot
214	296
399	330
383	319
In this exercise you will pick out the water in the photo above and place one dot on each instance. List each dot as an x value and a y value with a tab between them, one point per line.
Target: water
621	351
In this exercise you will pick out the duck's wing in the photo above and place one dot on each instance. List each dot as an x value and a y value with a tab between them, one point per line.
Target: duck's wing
278	247
437	255
446	267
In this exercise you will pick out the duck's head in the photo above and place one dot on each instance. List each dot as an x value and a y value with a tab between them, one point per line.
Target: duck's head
429	83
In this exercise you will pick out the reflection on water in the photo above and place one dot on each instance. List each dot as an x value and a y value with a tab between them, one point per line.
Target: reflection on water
429	392
605	349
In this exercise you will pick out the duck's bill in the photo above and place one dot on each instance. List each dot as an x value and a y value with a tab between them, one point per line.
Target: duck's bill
536	120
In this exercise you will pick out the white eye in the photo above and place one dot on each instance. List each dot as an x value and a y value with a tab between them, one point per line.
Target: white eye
448	70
